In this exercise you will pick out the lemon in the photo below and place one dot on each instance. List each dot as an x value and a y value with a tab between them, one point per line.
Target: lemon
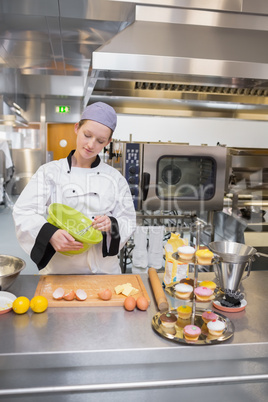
21	305
39	304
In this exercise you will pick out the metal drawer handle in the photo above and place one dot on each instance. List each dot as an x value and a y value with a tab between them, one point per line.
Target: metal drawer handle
134	385
145	185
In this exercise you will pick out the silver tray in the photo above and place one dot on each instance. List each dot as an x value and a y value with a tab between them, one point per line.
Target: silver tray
204	338
192	261
170	289
178	258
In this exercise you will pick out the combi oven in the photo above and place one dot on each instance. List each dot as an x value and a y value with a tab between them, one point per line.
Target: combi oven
175	177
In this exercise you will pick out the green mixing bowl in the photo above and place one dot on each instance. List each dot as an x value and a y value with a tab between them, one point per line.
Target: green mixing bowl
71	220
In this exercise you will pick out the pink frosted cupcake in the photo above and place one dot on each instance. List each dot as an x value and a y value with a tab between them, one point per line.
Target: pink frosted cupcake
203	294
191	332
209	316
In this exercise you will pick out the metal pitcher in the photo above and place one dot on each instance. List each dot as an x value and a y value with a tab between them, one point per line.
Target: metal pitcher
231	260
230	275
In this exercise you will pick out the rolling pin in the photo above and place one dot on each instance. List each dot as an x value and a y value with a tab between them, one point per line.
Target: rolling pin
158	291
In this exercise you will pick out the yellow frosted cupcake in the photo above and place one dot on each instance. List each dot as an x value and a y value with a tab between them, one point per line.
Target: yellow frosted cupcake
208	284
184	312
204	256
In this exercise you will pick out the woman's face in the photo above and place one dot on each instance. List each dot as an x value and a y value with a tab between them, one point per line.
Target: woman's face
92	137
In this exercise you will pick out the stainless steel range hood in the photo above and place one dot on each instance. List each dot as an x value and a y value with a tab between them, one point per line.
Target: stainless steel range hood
187	56
11	114
179	49
150	57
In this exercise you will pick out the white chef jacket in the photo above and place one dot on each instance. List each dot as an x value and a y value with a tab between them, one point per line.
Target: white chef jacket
99	190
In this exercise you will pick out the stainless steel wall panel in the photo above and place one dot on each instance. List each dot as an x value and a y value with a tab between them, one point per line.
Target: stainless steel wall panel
85	31
32	114
29	7
75	66
11	82
59	85
72	117
78	51
35	66
223	5
201	17
23	27
97	10
26	162
28	49
259	7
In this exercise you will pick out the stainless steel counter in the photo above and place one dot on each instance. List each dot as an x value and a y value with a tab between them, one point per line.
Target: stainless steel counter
86	353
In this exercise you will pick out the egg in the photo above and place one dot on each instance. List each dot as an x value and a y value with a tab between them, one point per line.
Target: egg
142	303
58	293
69	296
80	295
105	294
130	303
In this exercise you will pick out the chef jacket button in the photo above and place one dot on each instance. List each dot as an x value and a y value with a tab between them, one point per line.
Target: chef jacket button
73	191
98	172
68	171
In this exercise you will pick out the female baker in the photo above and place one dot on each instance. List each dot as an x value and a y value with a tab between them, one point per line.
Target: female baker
81	181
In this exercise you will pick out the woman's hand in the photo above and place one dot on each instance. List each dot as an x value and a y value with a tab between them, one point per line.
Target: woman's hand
102	223
63	241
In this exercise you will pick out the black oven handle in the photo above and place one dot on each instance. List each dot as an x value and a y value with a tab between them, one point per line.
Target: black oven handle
145	185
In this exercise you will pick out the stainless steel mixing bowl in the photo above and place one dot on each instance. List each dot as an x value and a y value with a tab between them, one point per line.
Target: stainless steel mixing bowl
229	251
10	268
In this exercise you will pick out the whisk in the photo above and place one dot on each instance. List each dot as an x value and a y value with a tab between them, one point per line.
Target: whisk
83	231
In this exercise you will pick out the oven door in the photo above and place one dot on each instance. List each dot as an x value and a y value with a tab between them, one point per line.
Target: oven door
178	177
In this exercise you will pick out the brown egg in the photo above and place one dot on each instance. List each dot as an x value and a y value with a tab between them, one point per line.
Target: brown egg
105	294
80	295
130	303
58	293
69	296
142	303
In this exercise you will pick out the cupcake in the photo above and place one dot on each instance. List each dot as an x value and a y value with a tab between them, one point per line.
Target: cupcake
191	332
216	327
203	294
188	281
184	312
208	284
186	252
168	320
209	316
204	256
183	291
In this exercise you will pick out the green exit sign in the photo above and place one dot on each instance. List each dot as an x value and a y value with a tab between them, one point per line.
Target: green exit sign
63	109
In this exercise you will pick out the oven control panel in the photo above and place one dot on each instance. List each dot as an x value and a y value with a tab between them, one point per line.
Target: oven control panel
132	170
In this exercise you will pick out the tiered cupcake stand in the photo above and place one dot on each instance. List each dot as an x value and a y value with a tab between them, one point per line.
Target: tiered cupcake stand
196	317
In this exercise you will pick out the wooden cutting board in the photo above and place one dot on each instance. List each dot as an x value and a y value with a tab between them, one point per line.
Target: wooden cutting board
92	285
